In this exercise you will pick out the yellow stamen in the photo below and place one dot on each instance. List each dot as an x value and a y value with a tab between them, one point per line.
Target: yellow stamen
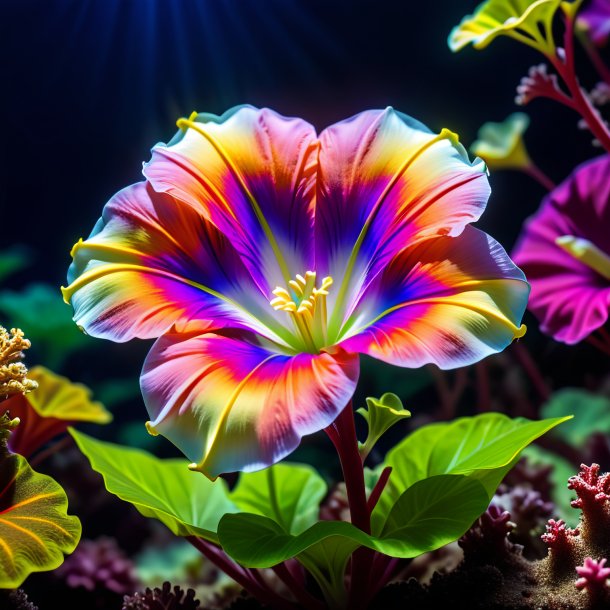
587	253
307	309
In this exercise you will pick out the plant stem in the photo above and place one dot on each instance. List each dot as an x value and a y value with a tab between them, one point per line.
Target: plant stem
343	435
306	599
240	575
537	174
580	102
378	489
595	57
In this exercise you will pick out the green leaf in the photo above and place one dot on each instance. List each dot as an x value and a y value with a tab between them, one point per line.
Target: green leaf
35	529
483	447
380	415
289	493
592	410
428	515
186	502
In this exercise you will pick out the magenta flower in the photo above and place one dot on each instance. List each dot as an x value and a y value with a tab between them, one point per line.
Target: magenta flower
595	20
266	258
564	251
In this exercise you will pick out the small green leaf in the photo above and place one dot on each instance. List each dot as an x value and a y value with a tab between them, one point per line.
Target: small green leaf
380	415
289	493
186	502
35	529
592	410
428	515
483	447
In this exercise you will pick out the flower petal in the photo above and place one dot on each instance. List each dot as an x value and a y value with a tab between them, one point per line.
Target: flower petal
386	181
450	301
233	405
569	298
252	174
151	262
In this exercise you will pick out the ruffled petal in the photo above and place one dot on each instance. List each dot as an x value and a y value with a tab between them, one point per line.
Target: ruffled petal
230	405
385	182
252	173
448	301
569	298
151	262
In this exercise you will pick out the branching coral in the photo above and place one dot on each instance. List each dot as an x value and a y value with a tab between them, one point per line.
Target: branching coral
165	598
13	374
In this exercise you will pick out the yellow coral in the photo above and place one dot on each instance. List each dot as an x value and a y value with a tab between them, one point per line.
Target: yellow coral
13	374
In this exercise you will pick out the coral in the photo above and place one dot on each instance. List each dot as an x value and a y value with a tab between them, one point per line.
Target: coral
593	492
164	598
15	600
528	512
99	565
529	476
487	540
13	374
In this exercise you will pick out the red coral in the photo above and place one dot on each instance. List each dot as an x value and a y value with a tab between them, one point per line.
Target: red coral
590	488
558	536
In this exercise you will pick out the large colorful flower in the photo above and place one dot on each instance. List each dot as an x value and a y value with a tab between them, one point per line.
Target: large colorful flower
565	253
266	258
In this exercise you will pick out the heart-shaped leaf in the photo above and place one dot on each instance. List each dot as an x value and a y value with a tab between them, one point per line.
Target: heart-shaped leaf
428	515
186	502
483	447
289	493
35	529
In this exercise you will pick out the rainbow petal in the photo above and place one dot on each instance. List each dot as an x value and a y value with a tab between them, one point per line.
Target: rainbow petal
152	262
386	182
252	173
449	301
230	404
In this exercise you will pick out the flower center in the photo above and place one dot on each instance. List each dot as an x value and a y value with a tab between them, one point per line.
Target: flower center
306	305
586	252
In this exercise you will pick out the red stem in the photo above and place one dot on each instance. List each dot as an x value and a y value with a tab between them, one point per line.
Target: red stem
240	575
595	57
580	102
602	346
306	599
378	489
343	435
537	174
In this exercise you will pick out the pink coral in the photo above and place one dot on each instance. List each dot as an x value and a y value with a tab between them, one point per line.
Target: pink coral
590	487
558	536
592	574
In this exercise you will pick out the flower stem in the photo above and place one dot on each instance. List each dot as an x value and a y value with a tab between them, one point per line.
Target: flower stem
343	435
595	57
580	102
537	174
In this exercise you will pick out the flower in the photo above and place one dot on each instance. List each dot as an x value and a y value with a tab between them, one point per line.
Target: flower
501	145
564	250
265	258
519	19
595	21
